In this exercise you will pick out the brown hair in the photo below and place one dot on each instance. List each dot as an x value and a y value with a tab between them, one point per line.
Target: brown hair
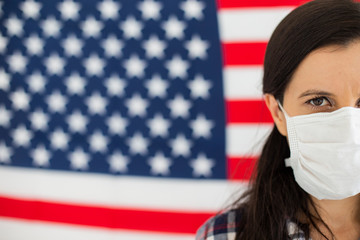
274	195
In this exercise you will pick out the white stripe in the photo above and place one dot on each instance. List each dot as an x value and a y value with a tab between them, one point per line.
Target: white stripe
20	230
250	24
243	82
97	189
246	139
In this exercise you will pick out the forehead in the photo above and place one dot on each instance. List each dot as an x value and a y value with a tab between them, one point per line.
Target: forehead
329	68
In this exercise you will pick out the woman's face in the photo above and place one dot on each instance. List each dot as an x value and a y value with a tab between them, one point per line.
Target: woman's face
326	80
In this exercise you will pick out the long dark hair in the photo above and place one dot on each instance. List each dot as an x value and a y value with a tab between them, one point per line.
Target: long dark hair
274	195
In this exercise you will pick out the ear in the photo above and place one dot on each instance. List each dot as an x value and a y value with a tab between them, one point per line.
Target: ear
276	113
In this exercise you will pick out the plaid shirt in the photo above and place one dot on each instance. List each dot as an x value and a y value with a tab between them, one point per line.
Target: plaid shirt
223	227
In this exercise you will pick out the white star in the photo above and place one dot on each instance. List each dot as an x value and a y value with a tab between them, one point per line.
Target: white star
94	65
157	86
137	105
59	139
201	127
34	45
39	120
17	62
72	46
75	84
160	164
3	43
159	126
57	102
112	46
179	107
41	156
30	8
134	66
51	27
79	160
131	28
202	166
150	9
154	47
5	153
197	47
36	82
115	86
91	27
14	26
117	124
5	116
77	122
200	87
177	67
55	64
109	9
22	136
4	80
193	9
98	142
174	28
20	100
69	9
180	146
138	144
118	163
96	104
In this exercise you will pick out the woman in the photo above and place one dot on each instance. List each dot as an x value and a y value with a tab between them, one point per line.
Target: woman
307	180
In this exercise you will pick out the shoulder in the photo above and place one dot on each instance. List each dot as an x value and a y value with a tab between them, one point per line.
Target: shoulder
220	227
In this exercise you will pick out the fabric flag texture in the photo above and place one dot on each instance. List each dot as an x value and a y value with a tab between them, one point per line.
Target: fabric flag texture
133	119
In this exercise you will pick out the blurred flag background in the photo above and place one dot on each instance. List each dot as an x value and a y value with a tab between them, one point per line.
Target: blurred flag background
133	119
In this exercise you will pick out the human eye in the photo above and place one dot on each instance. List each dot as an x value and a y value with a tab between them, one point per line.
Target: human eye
319	102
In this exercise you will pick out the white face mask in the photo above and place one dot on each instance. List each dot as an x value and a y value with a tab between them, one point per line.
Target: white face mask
325	152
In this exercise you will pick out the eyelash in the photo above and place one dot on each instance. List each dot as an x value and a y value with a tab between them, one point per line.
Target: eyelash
317	98
330	103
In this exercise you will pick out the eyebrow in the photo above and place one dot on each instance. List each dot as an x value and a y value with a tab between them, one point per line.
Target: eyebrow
315	92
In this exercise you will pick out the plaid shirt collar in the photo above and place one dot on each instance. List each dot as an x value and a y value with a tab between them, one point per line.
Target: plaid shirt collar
223	227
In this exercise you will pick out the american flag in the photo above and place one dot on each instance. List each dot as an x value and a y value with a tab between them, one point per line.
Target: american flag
133	119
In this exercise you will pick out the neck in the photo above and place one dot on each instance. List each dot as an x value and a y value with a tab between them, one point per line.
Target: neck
341	216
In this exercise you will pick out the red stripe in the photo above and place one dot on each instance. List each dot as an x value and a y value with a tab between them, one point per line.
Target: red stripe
240	168
245	53
247	111
97	216
258	3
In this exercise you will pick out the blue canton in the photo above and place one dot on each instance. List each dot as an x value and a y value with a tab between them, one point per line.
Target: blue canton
112	87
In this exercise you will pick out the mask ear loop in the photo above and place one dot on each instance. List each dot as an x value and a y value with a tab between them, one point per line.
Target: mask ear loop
282	109
287	160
